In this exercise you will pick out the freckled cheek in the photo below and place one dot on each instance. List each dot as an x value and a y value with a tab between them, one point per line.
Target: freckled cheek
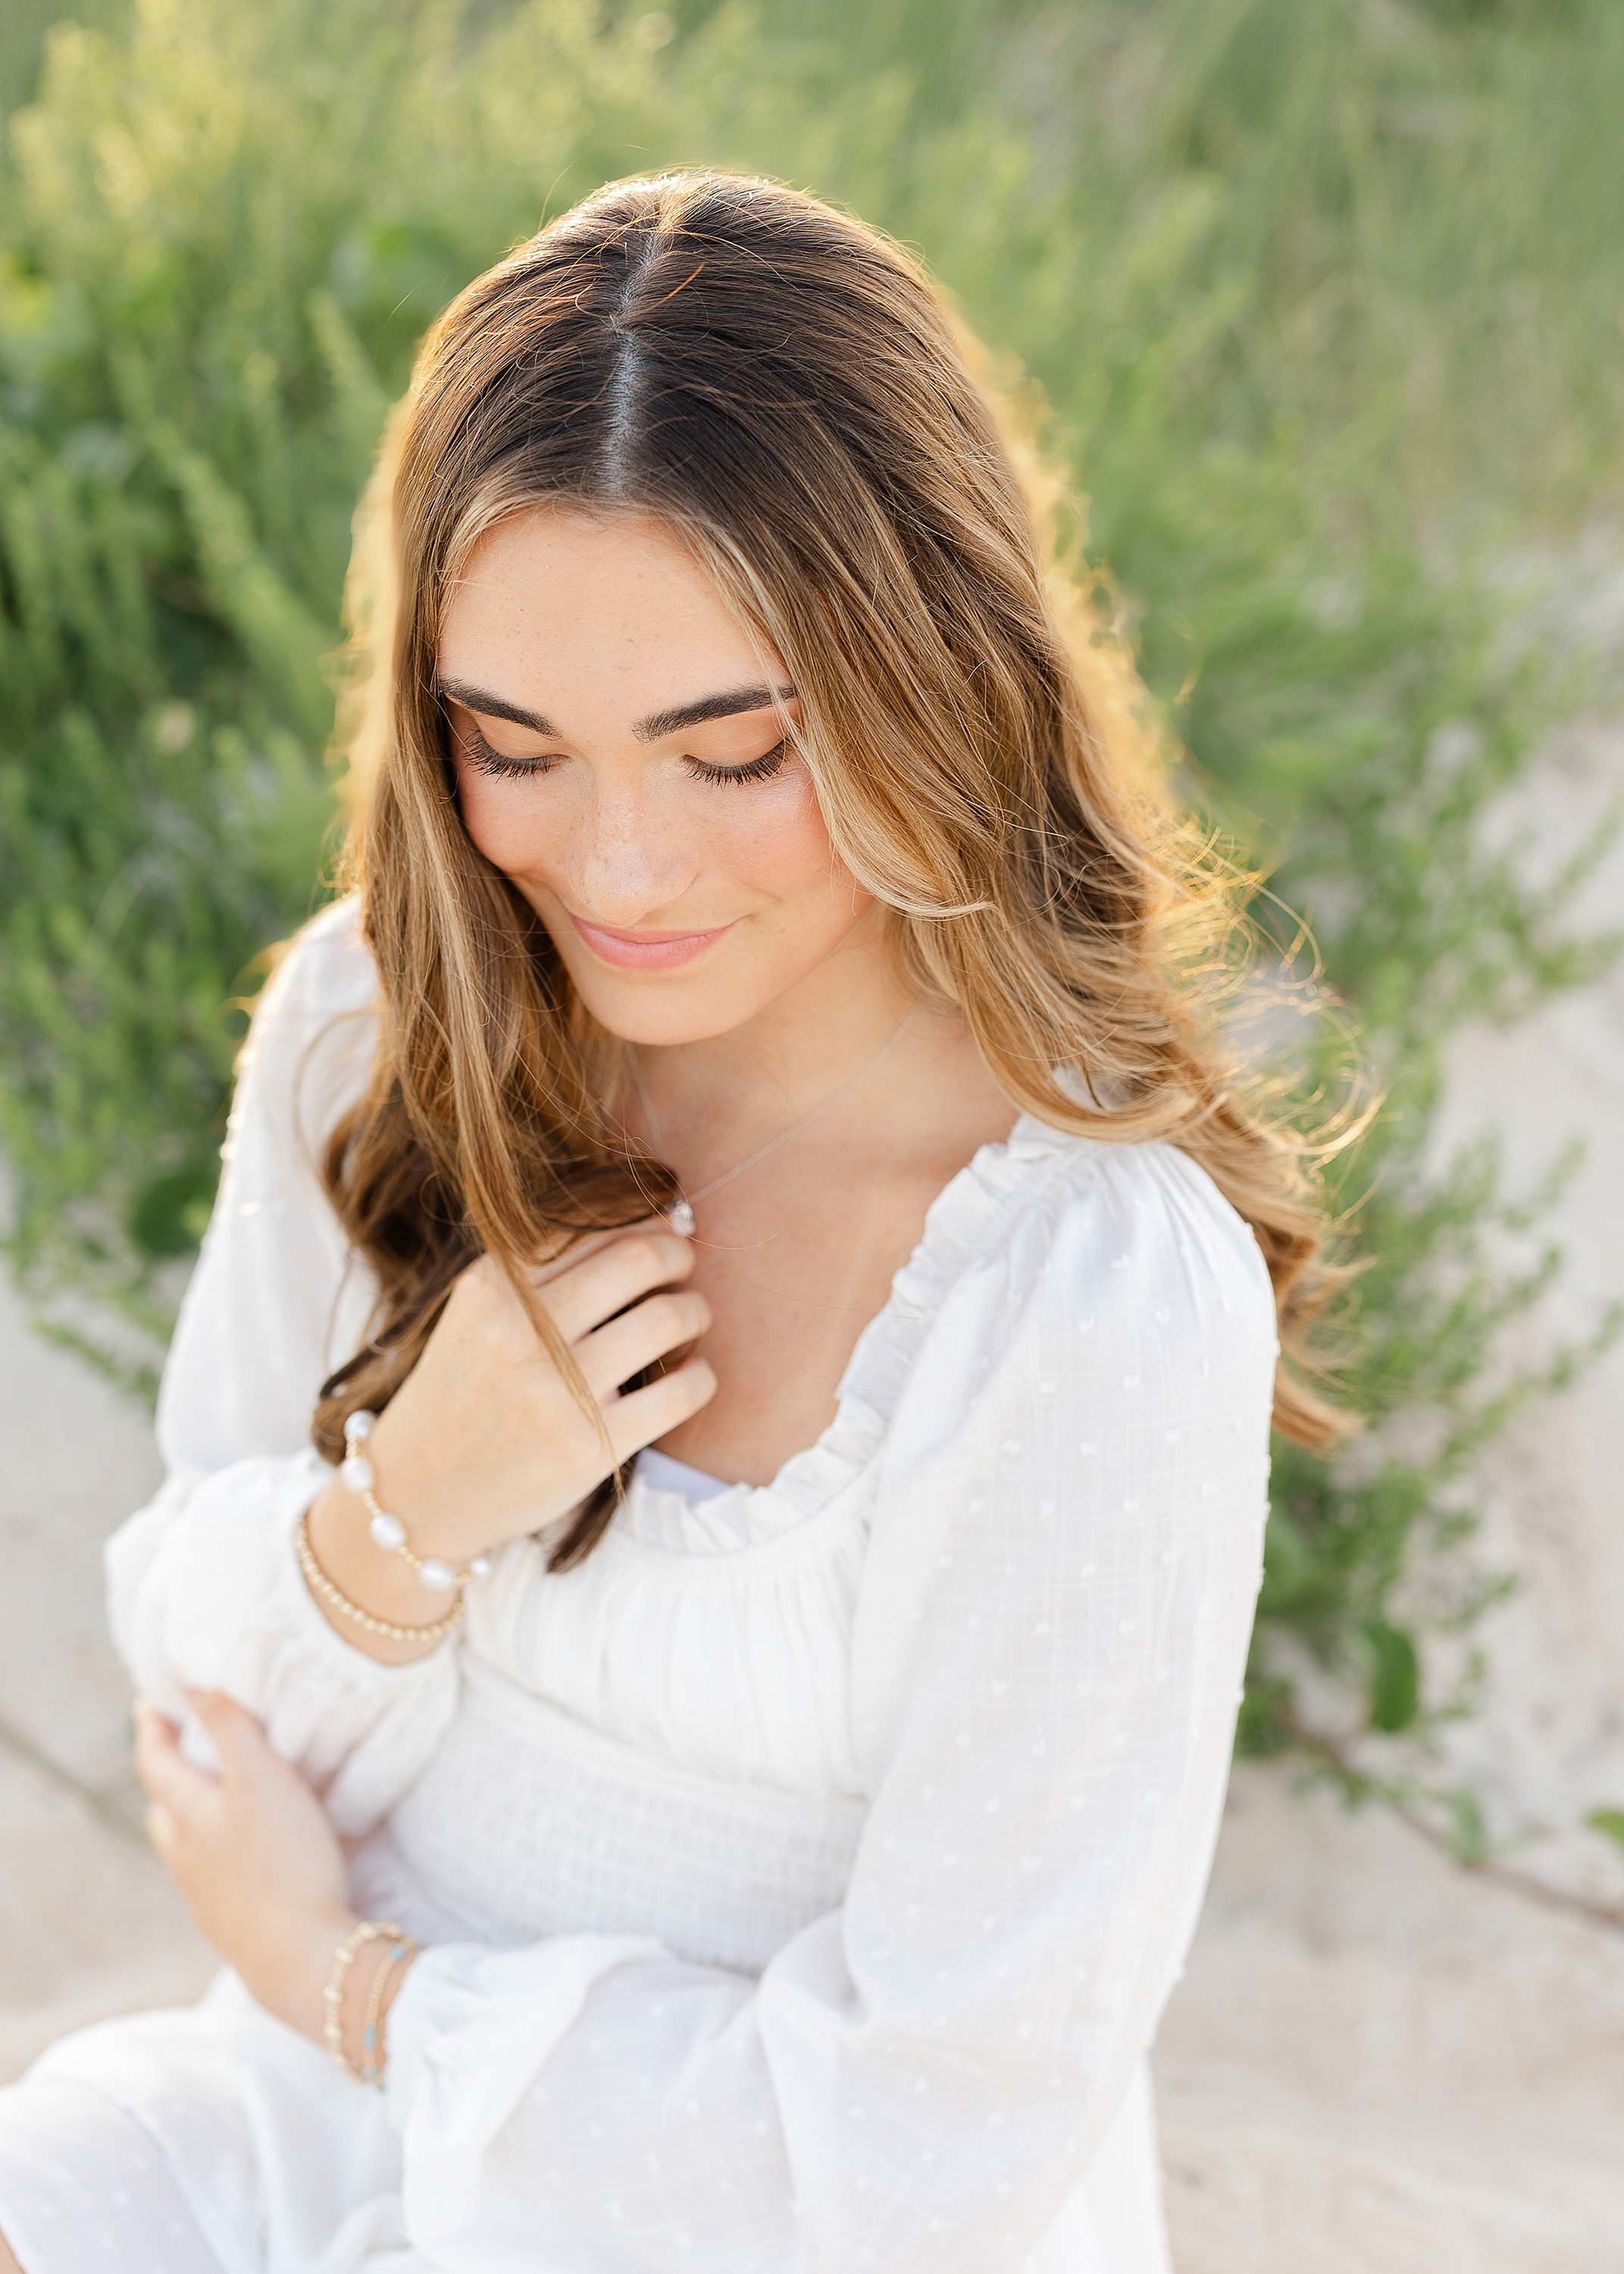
772	837
505	821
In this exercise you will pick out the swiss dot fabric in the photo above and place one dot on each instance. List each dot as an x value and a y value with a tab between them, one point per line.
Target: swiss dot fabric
805	1873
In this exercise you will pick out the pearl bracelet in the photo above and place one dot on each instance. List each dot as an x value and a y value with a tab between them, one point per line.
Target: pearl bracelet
357	1475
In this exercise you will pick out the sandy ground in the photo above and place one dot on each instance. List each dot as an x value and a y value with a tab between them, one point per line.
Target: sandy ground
1377	2064
1549	1744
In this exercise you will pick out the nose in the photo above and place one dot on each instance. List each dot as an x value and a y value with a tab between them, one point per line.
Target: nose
625	861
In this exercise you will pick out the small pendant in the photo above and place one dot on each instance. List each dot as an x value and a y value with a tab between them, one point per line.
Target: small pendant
680	1217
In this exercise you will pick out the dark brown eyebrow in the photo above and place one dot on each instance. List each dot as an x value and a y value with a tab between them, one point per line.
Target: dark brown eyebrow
491	706
658	724
710	706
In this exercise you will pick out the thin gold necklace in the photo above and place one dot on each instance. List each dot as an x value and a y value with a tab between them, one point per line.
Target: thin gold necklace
681	1213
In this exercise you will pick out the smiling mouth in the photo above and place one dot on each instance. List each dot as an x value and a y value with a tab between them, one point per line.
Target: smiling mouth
645	951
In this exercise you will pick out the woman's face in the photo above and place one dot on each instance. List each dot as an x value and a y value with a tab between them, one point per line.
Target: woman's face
618	755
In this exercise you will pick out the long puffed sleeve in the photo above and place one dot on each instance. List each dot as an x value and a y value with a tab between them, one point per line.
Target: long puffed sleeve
203	1588
1050	1636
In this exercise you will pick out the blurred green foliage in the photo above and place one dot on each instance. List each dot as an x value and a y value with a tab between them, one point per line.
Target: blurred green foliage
1322	296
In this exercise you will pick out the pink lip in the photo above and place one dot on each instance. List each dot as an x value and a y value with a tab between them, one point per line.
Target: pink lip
645	951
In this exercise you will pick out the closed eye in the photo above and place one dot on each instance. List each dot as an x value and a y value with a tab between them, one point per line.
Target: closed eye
480	754
491	761
763	769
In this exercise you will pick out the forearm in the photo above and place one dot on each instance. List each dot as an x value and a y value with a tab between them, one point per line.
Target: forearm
253	1852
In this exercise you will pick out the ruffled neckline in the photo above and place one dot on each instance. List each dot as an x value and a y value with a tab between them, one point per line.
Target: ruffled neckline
967	1216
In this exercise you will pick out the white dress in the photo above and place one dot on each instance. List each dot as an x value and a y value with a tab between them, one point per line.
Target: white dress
804	1875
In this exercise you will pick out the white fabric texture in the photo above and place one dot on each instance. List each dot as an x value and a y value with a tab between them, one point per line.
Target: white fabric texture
807	1871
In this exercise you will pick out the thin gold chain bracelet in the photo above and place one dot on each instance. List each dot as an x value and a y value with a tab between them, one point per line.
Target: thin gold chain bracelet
373	2057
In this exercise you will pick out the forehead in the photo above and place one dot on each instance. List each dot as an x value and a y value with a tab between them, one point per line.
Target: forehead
555	600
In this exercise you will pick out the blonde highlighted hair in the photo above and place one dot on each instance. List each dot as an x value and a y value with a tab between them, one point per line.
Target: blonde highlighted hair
779	384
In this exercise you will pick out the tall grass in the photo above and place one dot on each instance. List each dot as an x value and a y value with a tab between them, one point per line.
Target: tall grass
1323	299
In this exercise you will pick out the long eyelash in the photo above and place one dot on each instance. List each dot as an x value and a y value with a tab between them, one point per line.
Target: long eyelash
491	761
763	769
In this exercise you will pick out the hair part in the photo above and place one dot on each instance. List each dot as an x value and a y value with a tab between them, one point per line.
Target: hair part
777	384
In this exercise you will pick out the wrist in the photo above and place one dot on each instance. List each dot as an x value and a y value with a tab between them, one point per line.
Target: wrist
389	1532
369	1581
371	1455
299	1971
368	1967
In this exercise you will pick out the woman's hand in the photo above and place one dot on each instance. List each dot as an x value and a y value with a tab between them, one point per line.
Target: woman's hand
485	1442
254	1854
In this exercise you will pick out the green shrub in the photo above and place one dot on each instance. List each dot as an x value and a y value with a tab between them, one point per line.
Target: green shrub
1323	302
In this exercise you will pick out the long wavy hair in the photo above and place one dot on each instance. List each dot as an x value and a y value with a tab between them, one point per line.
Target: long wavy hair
780	384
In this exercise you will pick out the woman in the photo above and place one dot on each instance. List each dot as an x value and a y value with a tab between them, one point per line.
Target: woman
771	1659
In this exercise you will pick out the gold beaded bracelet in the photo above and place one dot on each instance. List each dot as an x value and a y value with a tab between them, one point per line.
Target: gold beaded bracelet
316	1580
333	1998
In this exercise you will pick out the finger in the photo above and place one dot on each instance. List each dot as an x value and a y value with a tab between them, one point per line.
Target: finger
636	1420
608	1281
237	1735
155	1737
660	1323
141	1708
589	1244
164	1775
161	1829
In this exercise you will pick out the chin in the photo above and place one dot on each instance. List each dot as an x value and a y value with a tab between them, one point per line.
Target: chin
670	1007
